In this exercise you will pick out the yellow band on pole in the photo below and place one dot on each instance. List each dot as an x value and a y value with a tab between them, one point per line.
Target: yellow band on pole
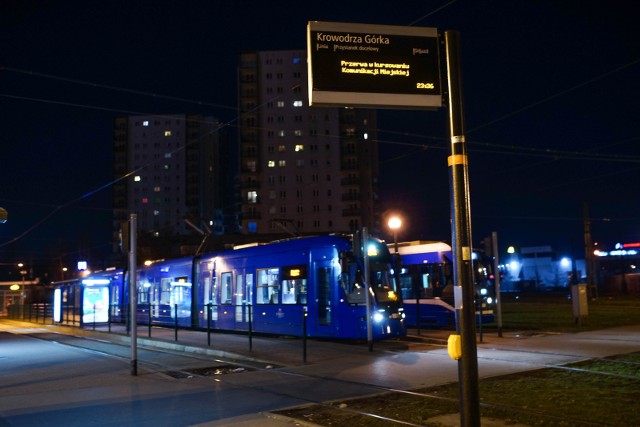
457	159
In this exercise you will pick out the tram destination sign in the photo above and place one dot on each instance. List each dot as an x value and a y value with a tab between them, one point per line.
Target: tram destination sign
382	66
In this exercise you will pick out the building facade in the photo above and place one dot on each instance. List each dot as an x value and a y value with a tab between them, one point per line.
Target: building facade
168	169
303	170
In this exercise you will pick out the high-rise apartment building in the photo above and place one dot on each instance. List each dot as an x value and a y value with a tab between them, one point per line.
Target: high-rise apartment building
175	167
303	170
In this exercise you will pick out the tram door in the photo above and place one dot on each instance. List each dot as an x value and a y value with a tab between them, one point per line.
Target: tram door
325	297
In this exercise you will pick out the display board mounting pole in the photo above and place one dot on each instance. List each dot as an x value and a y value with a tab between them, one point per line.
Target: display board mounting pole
461	240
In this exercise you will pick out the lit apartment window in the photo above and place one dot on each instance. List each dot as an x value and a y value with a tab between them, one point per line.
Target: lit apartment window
252	197
137	178
167	155
281	133
156	189
297	132
145	123
271	164
282	163
297	103
299	147
156	213
366	135
167	133
281	148
145	200
280	104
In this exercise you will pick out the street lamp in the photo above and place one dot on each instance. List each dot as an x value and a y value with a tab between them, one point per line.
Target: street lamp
394	224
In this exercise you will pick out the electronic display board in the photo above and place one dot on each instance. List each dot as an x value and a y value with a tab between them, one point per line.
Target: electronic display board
373	65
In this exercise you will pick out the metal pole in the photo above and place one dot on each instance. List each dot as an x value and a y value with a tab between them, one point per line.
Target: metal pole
209	323
176	329
365	256
461	239
250	329
496	283
304	334
133	293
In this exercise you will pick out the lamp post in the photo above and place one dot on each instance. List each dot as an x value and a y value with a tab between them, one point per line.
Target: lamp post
23	273
394	224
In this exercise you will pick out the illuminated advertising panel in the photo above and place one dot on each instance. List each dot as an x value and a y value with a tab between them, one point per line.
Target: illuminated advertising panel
363	65
95	304
57	305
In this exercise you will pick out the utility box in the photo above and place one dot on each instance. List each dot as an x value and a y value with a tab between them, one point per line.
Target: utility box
579	301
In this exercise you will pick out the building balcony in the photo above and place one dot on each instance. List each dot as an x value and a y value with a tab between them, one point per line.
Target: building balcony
251	215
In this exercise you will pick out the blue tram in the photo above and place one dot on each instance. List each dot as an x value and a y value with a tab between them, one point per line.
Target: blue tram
426	285
311	284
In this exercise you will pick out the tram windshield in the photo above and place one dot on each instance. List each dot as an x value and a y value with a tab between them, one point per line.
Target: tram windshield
382	282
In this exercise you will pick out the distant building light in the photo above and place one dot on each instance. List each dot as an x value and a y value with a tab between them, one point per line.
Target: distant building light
167	133
565	262
82	265
137	178
618	252
145	123
297	103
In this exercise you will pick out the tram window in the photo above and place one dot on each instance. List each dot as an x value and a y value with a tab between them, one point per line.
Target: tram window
294	285
239	289
165	291
294	291
249	289
181	291
268	286
406	285
143	293
226	289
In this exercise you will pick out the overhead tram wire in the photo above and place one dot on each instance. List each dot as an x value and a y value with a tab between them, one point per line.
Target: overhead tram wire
113	88
432	12
556	95
57	208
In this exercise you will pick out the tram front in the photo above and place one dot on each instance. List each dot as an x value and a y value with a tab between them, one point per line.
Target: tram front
387	317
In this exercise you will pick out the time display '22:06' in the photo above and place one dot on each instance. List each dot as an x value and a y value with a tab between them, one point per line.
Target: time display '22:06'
420	85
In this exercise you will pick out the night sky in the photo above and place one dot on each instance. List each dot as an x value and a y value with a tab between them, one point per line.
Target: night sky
550	92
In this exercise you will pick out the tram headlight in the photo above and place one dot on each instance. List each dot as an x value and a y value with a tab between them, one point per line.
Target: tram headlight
377	317
489	300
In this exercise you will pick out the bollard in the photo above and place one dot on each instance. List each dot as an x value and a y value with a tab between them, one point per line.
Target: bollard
209	324
176	323
304	334
250	327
